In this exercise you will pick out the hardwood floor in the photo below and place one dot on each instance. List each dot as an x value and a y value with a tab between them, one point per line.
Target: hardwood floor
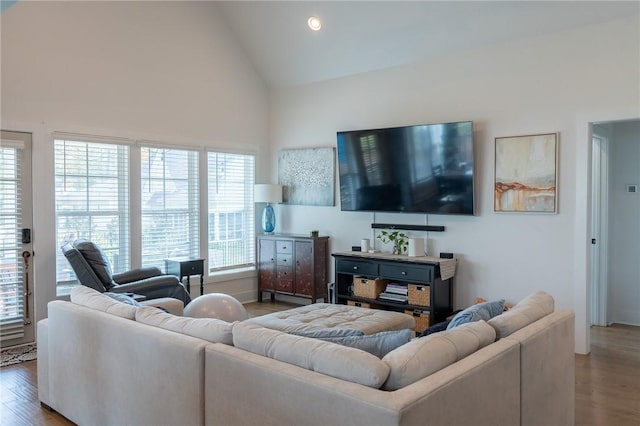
607	381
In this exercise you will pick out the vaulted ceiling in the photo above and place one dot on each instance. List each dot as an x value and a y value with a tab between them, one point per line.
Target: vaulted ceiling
363	36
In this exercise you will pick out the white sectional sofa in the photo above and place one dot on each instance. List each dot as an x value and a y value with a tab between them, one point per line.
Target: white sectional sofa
102	363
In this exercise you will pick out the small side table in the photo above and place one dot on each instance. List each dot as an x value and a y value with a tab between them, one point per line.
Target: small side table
186	268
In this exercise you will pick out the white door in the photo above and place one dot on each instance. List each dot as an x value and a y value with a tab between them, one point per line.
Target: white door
16	265
599	226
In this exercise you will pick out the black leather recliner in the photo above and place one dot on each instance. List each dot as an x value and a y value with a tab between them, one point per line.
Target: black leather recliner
93	270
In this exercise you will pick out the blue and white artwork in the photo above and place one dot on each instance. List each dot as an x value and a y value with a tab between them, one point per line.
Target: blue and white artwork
308	176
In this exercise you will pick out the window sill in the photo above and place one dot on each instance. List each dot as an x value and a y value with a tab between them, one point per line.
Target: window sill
235	274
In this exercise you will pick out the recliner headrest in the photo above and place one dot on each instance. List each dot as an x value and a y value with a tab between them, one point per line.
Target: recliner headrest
97	260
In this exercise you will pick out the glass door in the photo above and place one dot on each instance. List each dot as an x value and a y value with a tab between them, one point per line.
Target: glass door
16	266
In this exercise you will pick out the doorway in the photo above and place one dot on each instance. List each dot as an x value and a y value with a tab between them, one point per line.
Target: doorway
16	266
615	223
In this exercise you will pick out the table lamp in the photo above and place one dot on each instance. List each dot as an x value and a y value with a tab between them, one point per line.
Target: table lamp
268	193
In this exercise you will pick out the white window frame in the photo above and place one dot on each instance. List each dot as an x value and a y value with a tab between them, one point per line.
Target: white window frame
123	210
134	232
247	241
192	236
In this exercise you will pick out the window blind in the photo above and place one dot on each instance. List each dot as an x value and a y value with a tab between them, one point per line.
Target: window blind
92	201
169	205
12	308
230	210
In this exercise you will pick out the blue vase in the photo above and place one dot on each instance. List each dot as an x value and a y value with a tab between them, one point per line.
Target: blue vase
268	219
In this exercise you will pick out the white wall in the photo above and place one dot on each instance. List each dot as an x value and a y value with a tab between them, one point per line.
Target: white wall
545	84
624	217
164	71
172	72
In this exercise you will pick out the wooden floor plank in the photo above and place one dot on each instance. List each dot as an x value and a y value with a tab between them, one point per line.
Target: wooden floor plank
607	381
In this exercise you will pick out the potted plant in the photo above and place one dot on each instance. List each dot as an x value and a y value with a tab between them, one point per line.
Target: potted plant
399	239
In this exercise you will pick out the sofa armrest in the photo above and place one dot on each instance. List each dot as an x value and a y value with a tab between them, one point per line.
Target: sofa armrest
136	275
141	286
156	287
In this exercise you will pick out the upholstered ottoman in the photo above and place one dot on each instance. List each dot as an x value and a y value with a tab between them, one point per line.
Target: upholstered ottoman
322	316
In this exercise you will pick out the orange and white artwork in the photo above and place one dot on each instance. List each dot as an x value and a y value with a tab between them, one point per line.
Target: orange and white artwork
526	174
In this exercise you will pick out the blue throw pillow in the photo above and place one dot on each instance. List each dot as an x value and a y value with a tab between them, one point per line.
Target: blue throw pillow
378	344
481	311
120	297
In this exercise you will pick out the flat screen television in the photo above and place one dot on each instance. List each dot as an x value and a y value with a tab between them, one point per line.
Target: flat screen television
412	169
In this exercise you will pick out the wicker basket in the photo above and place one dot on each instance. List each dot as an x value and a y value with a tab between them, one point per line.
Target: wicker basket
358	304
419	295
421	317
370	289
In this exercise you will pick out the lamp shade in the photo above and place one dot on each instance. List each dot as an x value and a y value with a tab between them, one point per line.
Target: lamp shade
267	193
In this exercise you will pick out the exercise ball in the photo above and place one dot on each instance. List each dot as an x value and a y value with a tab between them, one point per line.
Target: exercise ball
216	305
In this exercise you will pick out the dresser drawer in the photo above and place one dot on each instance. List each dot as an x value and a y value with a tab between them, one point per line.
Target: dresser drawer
284	273
284	280
284	260
284	246
284	286
404	272
357	267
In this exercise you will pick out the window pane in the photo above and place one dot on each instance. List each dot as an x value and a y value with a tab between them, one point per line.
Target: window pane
231	210
170	206
11	263
92	202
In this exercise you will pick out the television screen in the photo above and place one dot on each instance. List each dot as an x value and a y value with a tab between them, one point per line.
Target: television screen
412	169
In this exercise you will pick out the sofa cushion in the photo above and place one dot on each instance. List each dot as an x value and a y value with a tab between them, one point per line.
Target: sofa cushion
528	310
480	311
423	357
210	329
328	358
86	296
322	316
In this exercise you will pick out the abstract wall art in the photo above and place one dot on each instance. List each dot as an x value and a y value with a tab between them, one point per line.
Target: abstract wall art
308	176
526	174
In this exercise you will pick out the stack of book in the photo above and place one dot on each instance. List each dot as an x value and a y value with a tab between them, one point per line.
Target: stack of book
395	293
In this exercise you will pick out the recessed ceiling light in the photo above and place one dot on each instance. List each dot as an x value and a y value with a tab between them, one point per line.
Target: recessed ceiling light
314	23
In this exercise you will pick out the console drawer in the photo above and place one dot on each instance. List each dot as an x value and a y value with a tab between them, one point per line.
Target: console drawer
357	267
404	272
